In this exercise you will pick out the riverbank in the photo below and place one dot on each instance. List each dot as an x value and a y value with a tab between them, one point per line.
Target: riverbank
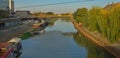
110	48
20	30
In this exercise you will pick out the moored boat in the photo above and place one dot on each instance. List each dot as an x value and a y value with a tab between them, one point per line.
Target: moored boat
17	45
11	49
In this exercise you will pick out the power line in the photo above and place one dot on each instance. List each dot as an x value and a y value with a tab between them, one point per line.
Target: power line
54	4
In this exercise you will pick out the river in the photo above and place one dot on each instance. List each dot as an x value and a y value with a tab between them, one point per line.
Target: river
61	40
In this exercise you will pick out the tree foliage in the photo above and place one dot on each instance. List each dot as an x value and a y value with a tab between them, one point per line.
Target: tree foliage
49	13
106	22
81	15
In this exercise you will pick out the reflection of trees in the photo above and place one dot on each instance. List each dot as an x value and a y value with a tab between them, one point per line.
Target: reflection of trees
52	21
93	52
66	19
68	33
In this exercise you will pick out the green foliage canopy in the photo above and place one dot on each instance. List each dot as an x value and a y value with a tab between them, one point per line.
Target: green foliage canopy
106	22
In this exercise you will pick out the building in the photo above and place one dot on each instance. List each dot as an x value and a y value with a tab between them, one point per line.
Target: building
9	22
4	5
6	8
22	13
6	14
11	7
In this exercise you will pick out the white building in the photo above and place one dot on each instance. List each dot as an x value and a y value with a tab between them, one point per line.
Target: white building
11	6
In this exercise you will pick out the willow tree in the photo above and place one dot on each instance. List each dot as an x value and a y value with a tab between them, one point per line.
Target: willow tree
106	22
92	18
102	20
114	23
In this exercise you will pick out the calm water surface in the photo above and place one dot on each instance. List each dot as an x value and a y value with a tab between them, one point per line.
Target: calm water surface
60	41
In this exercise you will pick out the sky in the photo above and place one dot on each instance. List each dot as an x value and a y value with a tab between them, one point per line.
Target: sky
61	8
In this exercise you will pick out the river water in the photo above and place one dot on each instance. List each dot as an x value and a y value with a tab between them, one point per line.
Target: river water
61	40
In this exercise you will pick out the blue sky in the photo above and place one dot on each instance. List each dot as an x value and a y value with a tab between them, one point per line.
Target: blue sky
62	8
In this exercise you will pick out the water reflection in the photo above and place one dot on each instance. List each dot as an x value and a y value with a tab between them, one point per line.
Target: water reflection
61	25
68	33
93	52
60	41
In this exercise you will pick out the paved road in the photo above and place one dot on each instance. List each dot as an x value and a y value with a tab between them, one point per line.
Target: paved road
7	34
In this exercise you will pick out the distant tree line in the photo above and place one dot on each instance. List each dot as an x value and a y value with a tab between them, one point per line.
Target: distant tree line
49	13
104	21
42	13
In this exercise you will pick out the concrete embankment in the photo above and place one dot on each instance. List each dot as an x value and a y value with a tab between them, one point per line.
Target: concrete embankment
7	34
101	44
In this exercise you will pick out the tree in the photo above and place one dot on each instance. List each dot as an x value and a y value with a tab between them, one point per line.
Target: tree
104	21
92	18
49	13
81	15
114	23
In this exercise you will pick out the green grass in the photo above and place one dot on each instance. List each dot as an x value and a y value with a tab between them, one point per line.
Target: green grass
26	35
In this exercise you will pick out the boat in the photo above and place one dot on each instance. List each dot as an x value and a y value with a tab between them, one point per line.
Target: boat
17	45
6	50
41	31
11	49
36	25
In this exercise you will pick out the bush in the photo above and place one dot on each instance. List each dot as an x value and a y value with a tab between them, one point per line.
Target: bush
26	35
